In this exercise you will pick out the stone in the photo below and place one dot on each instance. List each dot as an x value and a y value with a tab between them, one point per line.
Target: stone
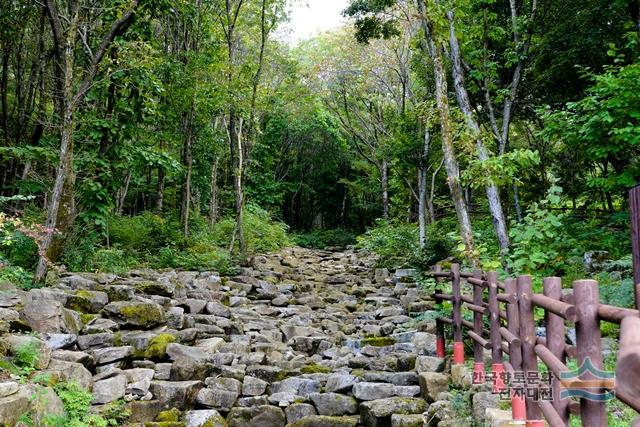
221	393
340	382
210	345
461	376
406	390
75	356
439	411
59	341
14	405
299	410
109	390
372	391
137	314
325	421
410	420
49	316
483	401
8	388
296	385
204	418
143	410
377	413
284	398
16	343
259	416
112	354
172	394
103	339
71	371
334	404
45	404
500	418
429	364
253	386
433	383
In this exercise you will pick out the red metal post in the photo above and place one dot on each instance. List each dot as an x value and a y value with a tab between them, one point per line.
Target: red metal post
458	345
478	350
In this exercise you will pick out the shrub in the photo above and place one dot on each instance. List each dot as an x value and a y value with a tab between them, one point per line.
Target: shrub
26	357
145	232
262	233
395	243
321	239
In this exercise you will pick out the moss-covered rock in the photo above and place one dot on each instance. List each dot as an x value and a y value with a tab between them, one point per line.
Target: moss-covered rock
136	314
157	349
315	369
170	415
378	341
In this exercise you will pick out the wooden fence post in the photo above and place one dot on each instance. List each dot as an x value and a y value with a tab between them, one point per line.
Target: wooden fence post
440	340
458	345
588	343
518	407
478	350
552	287
528	339
497	367
634	212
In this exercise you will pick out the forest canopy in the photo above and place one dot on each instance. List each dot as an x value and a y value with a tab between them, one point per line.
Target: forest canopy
189	134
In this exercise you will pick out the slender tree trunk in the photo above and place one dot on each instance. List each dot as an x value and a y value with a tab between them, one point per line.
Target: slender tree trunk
235	130
493	194
422	189
384	180
121	194
213	203
185	210
160	189
450	161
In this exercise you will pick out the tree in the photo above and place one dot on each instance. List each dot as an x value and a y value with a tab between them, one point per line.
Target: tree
66	24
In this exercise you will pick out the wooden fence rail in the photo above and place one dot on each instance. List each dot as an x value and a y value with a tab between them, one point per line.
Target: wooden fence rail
508	308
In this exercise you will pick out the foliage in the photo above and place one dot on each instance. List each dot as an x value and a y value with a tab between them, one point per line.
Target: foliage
325	238
395	243
77	402
26	357
539	242
263	234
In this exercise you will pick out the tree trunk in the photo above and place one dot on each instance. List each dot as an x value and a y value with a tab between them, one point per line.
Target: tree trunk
422	189
235	133
121	194
450	161
384	180
493	195
213	202
185	210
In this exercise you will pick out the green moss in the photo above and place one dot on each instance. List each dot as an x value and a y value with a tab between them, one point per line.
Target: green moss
315	369
142	314
283	375
379	341
86	317
157	349
170	415
164	424
79	303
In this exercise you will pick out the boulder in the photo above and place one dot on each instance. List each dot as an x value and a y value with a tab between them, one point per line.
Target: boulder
253	386
259	416
334	404
429	364
377	413
29	344
205	418
109	389
410	420
432	384
14	405
173	394
50	316
136	314
298	411
372	391
340	382
71	371
325	421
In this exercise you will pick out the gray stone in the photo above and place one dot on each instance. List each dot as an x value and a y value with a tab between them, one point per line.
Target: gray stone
103	339
49	316
433	383
14	405
75	356
217	398
406	390
410	420
112	354
326	421
8	388
372	391
18	342
109	390
210	417
136	314
71	371
259	416
299	410
340	382
377	413
429	364
173	394
60	341
253	386
483	401
334	404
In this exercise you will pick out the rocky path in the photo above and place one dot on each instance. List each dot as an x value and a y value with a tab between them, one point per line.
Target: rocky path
301	338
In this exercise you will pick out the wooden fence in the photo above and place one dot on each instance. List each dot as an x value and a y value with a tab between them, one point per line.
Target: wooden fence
509	307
